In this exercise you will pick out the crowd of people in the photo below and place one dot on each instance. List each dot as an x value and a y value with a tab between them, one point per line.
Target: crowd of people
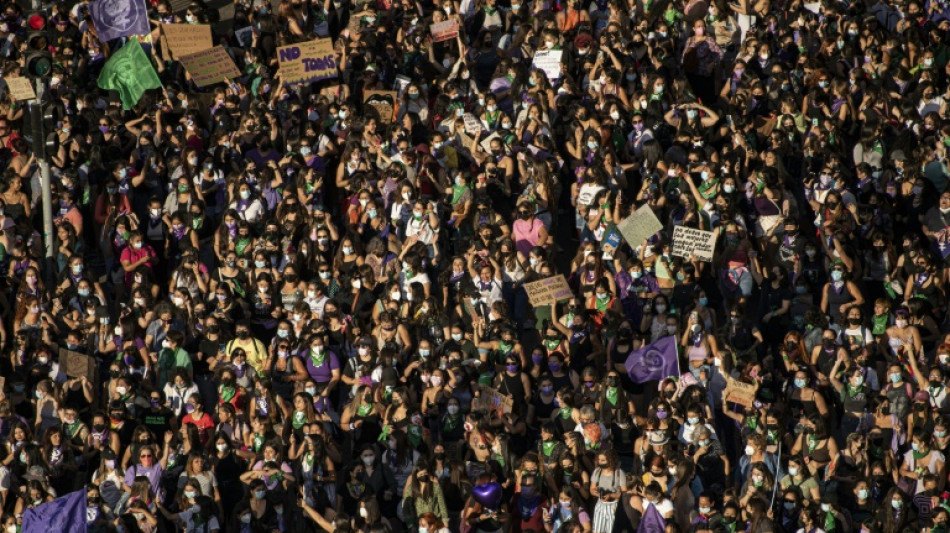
303	314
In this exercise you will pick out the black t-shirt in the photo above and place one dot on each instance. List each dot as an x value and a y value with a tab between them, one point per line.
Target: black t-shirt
771	298
157	421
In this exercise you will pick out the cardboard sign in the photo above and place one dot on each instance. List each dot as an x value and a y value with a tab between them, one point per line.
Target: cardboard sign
20	89
187	39
501	404
549	61
739	392
473	126
639	226
307	62
445	30
691	241
384	102
210	66
486	142
548	290
77	365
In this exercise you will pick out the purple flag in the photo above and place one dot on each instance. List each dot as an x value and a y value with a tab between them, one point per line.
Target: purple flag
651	522
119	18
654	361
66	513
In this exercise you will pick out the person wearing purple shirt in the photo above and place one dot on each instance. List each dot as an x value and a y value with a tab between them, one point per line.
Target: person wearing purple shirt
323	367
146	465
635	286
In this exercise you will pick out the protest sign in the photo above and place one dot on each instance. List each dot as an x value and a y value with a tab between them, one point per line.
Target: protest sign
639	226
113	19
401	84
473	126
307	62
445	30
739	392
77	365
20	89
691	241
548	290
187	39
210	66
486	142
549	61
384	102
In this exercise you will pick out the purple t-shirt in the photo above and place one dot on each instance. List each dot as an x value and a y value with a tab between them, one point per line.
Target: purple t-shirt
153	473
322	373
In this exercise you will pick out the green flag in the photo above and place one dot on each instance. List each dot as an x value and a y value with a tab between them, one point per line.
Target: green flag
129	72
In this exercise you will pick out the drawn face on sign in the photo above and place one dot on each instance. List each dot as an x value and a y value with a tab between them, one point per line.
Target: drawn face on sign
383	104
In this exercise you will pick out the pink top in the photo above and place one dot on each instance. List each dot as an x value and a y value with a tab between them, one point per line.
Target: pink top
132	255
526	234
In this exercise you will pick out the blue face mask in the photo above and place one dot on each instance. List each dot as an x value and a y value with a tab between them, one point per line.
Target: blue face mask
703	302
800	383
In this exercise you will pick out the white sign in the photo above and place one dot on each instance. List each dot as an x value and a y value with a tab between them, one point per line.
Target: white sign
549	61
688	242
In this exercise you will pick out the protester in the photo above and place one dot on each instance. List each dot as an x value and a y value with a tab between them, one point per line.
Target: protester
543	266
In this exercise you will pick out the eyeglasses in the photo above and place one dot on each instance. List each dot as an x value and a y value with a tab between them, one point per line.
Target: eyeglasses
145	456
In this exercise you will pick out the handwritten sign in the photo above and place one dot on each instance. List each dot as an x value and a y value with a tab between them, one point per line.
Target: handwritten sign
20	89
486	142
210	66
445	30
691	241
548	61
77	365
639	226
384	102
187	39
739	392
473	126
307	62
548	290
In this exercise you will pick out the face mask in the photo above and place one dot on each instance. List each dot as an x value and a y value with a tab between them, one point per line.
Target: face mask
897	504
800	383
259	494
836	275
368	459
895	378
749	450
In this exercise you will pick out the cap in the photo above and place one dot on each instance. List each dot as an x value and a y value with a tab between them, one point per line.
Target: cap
583	40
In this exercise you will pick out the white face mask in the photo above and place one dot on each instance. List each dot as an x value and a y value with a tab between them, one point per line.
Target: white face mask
364	513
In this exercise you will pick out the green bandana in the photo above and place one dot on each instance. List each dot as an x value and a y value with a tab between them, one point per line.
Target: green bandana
449	423
611	395
918	455
829	522
72	428
812	444
300	418
751	422
227	393
414	434
565	412
364	409
770	436
547	447
258	442
552	344
241	245
308	460
317	359
504	347
880	324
